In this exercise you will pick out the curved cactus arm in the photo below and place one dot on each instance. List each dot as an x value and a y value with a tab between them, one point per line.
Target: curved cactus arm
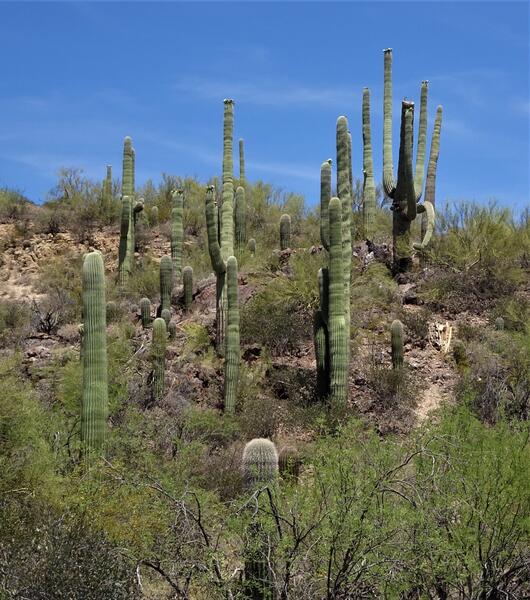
427	210
389	183
404	192
325	196
430	184
419	170
214	248
368	170
233	351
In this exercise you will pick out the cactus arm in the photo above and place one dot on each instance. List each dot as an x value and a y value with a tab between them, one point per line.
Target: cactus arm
396	334
242	162
124	259
127	183
177	232
430	184
214	248
325	195
350	166
427	210
404	195
323	292
285	232
95	379
389	183
240	217
232	337
422	137
368	170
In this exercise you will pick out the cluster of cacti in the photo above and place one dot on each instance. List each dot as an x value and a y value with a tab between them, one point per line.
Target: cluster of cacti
285	232
240	218
129	214
396	338
406	191
332	320
187	282
94	348
145	312
166	282
177	232
158	357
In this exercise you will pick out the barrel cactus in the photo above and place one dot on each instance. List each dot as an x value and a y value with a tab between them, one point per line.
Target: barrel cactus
289	462
396	334
285	232
94	407
187	280
177	232
158	357
260	462
166	315
499	324
252	246
233	350
166	282
172	330
145	312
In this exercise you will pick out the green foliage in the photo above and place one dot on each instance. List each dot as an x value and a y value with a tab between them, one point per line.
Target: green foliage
158	357
14	321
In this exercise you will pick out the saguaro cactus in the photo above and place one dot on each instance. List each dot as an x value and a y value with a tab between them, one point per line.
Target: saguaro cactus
241	162
285	232
187	279
325	197
320	334
154	215
124	256
232	337
396	334
172	330
240	215
158	357
95	379
368	171
166	282
177	232
499	324
427	217
260	462
407	190
106	195
145	312
166	315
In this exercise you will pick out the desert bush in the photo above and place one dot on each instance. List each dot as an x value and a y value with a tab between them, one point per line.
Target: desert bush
393	388
417	325
53	311
14	321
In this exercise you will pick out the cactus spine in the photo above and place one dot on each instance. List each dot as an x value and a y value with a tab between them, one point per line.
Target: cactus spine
177	232
241	162
145	312
260	462
158	356
240	214
232	337
285	232
368	172
406	192
396	334
166	282
187	279
95	379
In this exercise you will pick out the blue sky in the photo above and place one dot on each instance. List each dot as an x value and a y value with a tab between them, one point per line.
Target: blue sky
78	77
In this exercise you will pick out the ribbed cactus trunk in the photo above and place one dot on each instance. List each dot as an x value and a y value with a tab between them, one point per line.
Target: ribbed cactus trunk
124	257
166	315
285	232
406	192
166	282
158	357
95	378
368	172
177	232
430	181
128	215
172	330
106	196
240	215
325	197
233	351
145	312
187	279
396	335
154	215
242	180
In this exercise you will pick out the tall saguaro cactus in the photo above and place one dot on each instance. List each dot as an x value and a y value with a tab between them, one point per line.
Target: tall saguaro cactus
166	282
242	180
145	312
406	191
95	378
285	232
233	352
240	216
158	356
368	171
177	232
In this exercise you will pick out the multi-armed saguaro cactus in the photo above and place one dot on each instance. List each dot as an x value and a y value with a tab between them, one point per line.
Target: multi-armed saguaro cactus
232	337
242	180
368	171
260	462
187	280
240	218
285	232
166	282
220	226
396	335
158	357
406	191
177	232
95	380
145	312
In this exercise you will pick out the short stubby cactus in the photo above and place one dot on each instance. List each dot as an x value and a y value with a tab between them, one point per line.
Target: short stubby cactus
499	324
154	215
158	357
396	334
166	282
289	462
112	311
285	232
240	217
260	462
177	232
166	315
233	351
94	406
252	246
172	330
187	280
145	312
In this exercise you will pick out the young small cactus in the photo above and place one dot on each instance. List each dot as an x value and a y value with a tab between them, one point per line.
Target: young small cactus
154	215
145	312
396	331
166	315
187	280
166	282
177	232
112	311
285	232
158	357
94	405
252	246
260	462
499	324
289	462
172	330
